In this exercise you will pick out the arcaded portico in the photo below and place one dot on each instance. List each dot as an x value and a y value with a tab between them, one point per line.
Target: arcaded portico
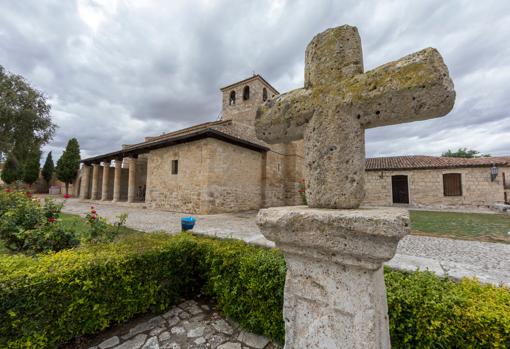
124	181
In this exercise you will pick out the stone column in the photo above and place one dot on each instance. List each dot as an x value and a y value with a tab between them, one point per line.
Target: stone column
95	182
106	178
132	180
84	185
117	179
335	295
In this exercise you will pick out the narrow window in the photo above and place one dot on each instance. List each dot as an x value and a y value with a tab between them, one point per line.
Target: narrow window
246	93
264	94
232	99
175	167
452	184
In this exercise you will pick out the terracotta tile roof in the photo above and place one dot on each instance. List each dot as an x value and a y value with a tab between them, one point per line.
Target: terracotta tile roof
412	162
225	130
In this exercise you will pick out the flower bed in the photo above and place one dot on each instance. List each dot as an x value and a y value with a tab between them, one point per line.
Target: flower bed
50	299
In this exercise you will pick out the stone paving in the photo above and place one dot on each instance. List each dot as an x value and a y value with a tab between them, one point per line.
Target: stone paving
191	324
487	261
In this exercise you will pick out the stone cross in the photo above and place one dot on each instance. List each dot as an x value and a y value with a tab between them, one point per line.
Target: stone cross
339	101
334	288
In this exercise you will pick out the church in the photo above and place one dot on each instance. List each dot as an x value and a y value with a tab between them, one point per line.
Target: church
221	166
213	167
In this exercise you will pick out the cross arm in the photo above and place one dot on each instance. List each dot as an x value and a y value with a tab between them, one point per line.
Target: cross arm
283	118
416	87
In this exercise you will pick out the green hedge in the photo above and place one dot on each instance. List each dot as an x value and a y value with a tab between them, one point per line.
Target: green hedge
50	300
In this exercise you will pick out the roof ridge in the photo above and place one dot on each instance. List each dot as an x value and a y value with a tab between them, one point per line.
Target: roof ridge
248	79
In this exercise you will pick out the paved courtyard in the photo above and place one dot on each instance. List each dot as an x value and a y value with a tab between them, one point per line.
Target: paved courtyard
191	324
488	262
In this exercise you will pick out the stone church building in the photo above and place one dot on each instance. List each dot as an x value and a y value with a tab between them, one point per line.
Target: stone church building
212	167
221	166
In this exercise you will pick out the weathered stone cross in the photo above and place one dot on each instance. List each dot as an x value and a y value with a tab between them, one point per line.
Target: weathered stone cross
334	289
339	101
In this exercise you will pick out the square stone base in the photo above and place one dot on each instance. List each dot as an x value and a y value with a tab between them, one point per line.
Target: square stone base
335	295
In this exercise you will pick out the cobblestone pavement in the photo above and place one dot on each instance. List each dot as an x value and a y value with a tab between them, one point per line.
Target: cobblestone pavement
487	261
189	325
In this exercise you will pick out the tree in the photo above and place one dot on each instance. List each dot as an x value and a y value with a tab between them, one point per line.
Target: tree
69	163
31	167
464	153
48	168
11	171
25	122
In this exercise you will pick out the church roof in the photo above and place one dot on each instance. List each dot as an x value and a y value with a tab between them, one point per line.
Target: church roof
415	162
227	131
247	80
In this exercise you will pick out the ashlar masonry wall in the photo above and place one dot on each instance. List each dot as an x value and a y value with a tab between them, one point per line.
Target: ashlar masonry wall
426	187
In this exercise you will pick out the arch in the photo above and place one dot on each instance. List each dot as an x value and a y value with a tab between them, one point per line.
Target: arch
264	94
246	93
232	99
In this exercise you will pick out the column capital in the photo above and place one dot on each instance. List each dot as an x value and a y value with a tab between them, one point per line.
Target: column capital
362	237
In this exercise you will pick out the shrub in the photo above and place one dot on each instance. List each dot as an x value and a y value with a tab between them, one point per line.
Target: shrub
47	301
51	299
27	226
100	230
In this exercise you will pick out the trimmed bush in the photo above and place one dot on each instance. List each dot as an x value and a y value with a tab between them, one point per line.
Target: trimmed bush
49	300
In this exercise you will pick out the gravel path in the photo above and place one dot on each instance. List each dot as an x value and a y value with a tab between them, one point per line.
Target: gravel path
489	262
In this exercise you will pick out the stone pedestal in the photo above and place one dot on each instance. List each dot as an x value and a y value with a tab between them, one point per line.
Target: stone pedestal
335	295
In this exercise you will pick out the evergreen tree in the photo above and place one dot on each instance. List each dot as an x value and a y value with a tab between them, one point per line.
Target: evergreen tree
31	167
69	163
48	168
11	171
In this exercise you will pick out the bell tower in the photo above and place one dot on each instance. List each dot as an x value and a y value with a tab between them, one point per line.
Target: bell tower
241	99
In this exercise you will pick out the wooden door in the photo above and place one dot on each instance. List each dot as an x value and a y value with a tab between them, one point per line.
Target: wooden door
400	189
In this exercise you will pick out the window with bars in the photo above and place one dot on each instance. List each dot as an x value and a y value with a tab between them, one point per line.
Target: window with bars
175	167
452	184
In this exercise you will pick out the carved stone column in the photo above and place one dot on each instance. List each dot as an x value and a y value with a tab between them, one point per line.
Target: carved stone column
335	295
84	185
117	179
132	180
106	178
95	182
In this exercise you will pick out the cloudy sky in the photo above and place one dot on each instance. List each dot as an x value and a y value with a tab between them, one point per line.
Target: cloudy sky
115	71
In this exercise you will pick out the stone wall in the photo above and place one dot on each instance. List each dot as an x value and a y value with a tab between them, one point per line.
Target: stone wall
426	188
181	192
234	177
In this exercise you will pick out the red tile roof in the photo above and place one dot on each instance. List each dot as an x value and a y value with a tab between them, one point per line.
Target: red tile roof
413	162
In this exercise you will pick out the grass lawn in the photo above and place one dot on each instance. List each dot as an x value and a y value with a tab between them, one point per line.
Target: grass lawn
74	223
466	226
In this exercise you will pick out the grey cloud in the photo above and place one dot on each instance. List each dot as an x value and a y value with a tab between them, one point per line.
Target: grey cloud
149	67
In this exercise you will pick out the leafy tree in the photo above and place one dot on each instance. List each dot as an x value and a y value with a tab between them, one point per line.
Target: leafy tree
464	153
48	168
69	163
31	167
11	171
25	122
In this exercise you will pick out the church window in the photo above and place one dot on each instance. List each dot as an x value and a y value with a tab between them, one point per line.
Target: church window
232	99
246	93
264	94
175	167
452	184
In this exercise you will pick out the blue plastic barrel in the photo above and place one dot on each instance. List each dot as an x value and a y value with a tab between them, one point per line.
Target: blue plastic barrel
187	223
